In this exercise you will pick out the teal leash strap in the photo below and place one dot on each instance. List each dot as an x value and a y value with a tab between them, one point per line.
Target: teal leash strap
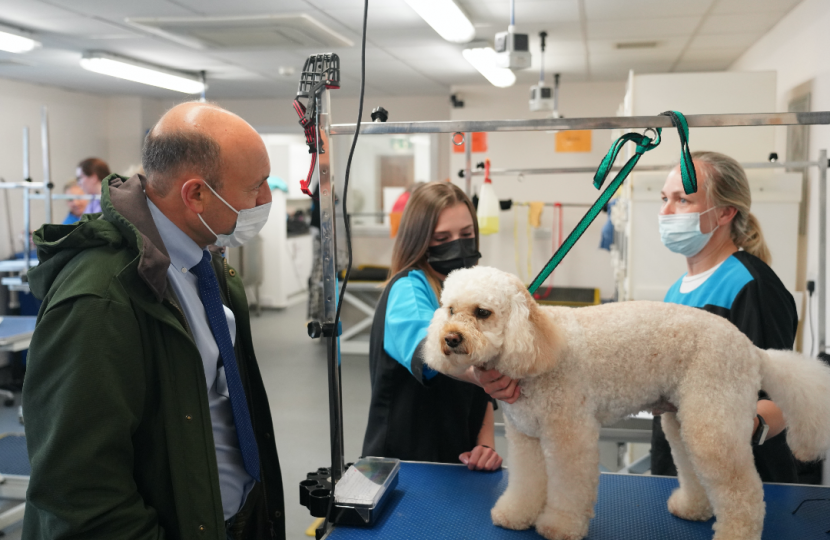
644	144
687	168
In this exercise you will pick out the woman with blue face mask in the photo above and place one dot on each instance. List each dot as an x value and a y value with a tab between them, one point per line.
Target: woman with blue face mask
416	413
728	275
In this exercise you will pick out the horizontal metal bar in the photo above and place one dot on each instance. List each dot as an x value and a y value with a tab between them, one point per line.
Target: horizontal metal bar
641	168
564	124
22	185
58	196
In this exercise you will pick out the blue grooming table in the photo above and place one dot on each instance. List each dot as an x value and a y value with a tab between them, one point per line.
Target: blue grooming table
16	332
453	503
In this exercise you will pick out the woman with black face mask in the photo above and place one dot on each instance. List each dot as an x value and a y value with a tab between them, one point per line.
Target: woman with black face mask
416	413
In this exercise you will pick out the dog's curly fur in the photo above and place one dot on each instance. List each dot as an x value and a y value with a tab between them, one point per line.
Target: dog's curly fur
582	368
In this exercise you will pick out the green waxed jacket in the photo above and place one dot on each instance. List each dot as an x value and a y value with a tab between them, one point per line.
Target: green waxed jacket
117	420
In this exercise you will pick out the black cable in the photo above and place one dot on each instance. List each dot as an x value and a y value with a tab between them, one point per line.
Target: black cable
812	323
349	164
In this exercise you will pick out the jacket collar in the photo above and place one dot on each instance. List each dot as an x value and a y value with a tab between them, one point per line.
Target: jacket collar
124	204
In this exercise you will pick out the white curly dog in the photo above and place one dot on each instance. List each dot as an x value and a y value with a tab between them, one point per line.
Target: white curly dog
582	368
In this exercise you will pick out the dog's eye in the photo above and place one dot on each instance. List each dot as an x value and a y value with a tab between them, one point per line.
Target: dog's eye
482	313
451	312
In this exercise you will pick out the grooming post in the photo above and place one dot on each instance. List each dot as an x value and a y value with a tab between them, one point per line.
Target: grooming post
47	178
27	211
329	256
468	164
822	249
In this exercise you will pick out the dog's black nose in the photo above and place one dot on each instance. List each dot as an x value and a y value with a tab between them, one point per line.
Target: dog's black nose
453	339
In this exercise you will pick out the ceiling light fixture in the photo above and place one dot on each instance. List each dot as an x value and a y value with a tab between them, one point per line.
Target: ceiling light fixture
133	70
446	18
484	60
16	41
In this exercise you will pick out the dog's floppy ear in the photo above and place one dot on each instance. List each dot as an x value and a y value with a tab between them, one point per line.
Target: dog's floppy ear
434	356
532	343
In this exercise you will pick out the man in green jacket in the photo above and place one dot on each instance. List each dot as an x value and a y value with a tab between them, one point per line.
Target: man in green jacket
146	415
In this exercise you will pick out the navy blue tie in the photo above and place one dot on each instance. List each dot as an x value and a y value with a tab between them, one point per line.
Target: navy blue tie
209	293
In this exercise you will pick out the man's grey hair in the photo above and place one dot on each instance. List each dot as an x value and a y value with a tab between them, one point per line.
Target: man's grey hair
167	156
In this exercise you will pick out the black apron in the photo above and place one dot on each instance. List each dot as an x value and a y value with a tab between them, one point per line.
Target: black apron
434	420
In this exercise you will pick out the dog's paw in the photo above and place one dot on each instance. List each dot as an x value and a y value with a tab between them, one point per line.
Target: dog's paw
692	508
511	513
562	526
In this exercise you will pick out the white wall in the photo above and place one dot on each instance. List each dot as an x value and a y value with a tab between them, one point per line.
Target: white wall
797	49
80	125
586	265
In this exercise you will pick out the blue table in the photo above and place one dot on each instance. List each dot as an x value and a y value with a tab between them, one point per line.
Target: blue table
16	332
451	503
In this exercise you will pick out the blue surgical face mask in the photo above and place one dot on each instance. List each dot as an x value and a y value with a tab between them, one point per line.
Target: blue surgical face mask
681	233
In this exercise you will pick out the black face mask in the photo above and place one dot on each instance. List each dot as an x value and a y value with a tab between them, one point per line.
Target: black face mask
449	256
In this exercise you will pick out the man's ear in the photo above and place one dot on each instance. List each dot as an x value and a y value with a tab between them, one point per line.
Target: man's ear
193	195
532	343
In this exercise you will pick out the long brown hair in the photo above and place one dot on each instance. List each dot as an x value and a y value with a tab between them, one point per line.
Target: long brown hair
420	216
727	185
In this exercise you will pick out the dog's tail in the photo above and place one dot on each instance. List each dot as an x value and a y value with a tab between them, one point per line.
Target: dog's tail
800	386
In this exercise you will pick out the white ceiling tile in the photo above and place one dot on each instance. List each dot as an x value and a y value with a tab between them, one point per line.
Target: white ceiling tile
642	29
743	7
751	22
527	11
617	10
729	54
248	7
121	10
714	41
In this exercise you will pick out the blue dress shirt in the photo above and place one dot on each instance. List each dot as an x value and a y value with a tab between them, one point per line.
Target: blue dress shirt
234	482
94	206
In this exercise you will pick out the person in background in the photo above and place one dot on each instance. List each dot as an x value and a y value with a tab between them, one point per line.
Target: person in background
728	275
76	206
90	173
153	422
416	413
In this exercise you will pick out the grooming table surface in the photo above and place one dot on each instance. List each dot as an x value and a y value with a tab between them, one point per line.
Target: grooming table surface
452	503
14	330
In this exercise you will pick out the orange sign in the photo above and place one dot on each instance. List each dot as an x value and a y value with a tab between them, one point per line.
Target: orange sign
479	143
573	141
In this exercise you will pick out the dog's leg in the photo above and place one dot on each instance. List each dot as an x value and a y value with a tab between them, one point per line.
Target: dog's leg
571	447
689	501
720	451
524	498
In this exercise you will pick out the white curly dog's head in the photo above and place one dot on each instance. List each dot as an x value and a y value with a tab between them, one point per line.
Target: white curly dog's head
489	320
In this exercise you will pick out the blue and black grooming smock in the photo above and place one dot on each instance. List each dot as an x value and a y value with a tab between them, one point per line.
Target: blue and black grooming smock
745	291
416	414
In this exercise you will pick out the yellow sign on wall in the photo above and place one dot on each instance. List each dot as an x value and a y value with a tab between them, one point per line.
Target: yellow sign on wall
573	141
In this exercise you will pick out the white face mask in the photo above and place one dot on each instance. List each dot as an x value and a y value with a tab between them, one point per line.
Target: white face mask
248	223
681	233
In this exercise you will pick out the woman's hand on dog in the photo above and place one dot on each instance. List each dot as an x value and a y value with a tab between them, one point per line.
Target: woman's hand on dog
498	386
481	458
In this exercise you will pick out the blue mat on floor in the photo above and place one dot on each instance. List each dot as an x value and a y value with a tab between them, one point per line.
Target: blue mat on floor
452	503
14	458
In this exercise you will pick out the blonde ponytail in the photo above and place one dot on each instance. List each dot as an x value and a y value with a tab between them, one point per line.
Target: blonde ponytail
753	239
727	185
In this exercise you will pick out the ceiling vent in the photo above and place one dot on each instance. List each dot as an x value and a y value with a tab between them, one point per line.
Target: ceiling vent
244	32
637	45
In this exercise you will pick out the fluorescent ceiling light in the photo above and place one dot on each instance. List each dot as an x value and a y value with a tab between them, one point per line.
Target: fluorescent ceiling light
132	70
446	18
13	41
484	60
